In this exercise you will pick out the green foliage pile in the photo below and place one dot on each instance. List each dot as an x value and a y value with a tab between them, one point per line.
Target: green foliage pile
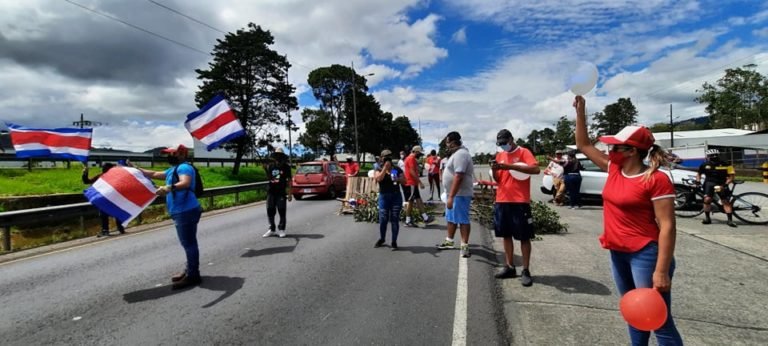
545	219
367	210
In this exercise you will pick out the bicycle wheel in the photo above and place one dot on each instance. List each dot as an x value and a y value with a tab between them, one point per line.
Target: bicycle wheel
686	202
751	207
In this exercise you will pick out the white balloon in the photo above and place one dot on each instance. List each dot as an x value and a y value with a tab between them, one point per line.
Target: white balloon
517	174
583	79
371	173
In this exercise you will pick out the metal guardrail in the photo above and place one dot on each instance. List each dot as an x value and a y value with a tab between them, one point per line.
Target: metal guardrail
9	219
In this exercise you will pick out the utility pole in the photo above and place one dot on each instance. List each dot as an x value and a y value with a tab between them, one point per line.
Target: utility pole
671	128
290	124
82	123
354	110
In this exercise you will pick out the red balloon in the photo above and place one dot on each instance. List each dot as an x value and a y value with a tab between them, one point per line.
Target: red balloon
644	309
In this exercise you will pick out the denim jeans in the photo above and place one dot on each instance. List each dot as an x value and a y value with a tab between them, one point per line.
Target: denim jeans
573	185
635	270
186	228
390	205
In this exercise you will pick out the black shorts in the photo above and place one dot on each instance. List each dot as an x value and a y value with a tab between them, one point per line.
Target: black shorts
513	220
412	193
709	190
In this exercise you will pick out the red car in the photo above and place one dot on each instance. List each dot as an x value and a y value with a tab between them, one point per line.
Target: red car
318	178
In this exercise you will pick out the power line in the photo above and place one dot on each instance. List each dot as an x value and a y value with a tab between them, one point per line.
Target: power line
136	27
188	17
204	24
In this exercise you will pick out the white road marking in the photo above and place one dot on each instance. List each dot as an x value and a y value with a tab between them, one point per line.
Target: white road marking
210	264
77	318
158	285
460	313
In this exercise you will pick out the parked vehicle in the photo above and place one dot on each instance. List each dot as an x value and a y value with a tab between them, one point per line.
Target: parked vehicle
593	178
318	178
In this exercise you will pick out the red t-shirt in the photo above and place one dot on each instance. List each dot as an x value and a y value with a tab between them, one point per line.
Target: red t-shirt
511	190
628	216
434	164
350	168
411	165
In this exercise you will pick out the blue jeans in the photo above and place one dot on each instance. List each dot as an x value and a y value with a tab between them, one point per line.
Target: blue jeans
390	205
573	185
635	270
186	228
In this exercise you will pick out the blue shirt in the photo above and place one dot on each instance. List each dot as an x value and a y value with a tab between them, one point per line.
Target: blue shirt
181	200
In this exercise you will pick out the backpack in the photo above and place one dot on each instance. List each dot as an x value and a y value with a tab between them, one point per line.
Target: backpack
198	180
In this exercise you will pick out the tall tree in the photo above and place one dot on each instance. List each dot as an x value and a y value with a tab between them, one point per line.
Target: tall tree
402	135
317	134
372	125
252	77
332	86
564	132
739	98
613	118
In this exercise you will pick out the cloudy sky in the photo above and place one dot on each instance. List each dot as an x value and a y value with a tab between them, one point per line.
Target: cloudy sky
474	66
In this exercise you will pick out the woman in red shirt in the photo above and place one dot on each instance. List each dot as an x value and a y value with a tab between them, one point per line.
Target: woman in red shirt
638	215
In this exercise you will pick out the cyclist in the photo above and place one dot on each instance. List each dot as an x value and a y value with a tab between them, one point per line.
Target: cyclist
718	175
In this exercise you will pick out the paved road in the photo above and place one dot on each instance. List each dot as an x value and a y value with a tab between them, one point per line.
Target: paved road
323	284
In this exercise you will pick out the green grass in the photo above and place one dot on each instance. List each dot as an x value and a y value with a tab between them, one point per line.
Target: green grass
44	181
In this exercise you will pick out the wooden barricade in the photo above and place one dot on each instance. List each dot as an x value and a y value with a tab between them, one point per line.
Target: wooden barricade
357	187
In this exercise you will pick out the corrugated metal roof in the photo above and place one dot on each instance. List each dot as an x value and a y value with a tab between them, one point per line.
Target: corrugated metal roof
702	133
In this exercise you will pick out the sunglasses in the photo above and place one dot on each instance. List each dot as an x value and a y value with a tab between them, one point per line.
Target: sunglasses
620	148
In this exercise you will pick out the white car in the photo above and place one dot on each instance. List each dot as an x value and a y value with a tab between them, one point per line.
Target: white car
593	178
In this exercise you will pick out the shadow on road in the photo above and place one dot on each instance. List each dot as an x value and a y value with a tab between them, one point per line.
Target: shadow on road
229	285
491	257
573	284
282	249
432	250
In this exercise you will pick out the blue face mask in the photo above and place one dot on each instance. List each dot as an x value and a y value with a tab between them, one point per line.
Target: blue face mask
506	147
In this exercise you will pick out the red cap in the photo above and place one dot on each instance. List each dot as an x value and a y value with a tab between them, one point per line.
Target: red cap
181	150
637	136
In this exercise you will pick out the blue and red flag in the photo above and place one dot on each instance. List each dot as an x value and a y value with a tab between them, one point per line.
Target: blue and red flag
214	124
61	143
121	192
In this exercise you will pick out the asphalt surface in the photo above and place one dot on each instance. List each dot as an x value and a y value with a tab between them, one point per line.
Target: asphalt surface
323	284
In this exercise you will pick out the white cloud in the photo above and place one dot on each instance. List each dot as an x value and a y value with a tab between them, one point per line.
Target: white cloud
761	32
460	36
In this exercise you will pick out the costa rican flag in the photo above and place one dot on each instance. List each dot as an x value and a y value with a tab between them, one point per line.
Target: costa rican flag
62	143
214	124
121	192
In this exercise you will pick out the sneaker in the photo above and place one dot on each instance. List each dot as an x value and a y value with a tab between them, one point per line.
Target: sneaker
526	278
506	273
446	245
732	224
269	233
178	276
281	234
706	222
103	233
394	245
379	243
122	231
187	281
410	224
430	219
465	251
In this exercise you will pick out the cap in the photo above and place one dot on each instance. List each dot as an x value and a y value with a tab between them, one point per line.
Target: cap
637	136
417	149
503	137
181	150
558	151
386	152
453	136
279	150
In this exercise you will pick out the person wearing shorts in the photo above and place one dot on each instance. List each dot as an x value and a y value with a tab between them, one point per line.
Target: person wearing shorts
411	193
512	210
457	179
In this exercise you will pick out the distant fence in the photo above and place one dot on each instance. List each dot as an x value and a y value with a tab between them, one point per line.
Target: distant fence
82	210
11	161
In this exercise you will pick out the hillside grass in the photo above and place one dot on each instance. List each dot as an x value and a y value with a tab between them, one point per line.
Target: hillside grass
44	181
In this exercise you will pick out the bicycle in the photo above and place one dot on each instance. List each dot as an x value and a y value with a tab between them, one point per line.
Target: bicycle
749	207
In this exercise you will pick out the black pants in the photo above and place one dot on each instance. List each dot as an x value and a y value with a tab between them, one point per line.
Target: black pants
276	204
105	222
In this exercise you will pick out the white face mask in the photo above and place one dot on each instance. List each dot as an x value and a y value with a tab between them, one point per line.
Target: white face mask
506	147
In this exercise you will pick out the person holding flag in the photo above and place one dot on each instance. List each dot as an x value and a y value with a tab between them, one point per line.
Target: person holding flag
184	208
102	215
